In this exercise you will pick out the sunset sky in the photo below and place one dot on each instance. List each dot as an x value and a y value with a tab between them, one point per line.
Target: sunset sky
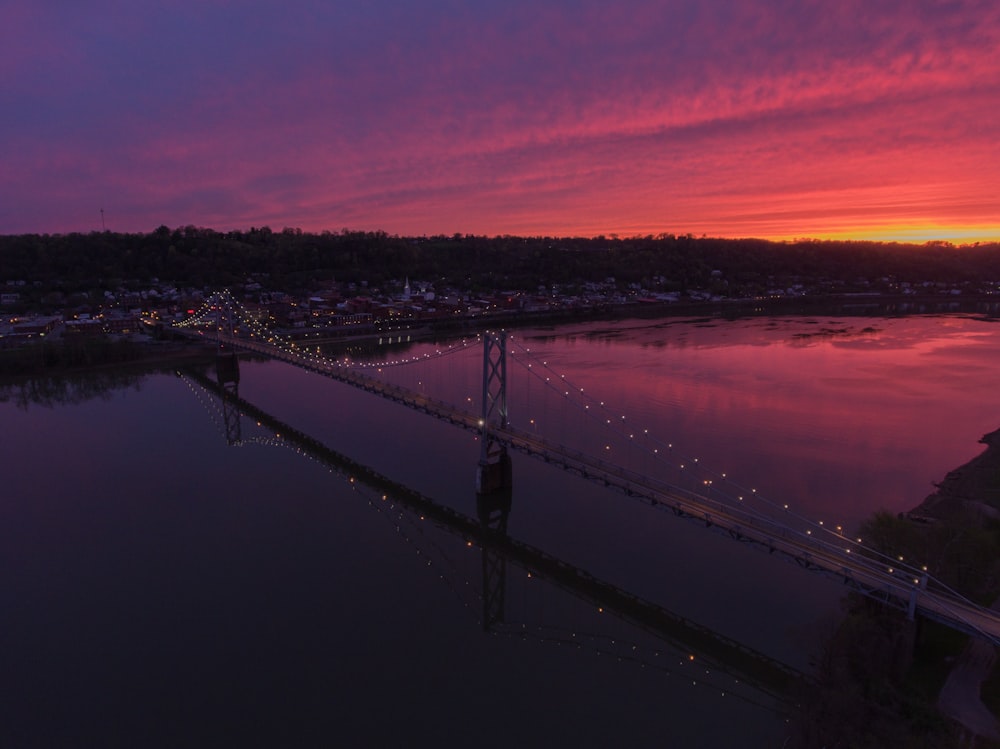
732	118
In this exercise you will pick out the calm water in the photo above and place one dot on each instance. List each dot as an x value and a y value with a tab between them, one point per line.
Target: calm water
160	587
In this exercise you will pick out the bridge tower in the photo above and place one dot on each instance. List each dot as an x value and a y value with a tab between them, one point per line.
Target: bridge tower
494	470
227	371
227	365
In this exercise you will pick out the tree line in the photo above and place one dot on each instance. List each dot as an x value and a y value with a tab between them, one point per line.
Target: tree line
290	258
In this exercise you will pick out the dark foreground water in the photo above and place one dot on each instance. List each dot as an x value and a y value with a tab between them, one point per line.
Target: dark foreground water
162	587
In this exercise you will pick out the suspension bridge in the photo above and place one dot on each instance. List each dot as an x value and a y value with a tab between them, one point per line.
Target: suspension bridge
745	516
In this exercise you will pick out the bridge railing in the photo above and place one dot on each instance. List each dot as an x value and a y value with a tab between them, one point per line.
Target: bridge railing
736	518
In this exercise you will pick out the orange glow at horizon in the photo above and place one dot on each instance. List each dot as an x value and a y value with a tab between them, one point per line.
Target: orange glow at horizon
912	234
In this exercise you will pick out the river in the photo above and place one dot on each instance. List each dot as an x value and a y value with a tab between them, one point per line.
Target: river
163	587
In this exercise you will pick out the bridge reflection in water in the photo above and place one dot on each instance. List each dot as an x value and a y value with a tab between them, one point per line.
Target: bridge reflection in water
699	653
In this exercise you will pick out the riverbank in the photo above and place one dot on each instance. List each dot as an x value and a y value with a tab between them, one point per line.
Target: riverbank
55	354
57	357
970	494
885	681
971	491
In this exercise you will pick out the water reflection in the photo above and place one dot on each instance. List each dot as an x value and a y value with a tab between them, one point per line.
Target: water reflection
685	648
62	390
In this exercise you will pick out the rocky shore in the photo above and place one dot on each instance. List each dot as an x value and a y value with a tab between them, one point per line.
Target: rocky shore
972	490
969	494
874	688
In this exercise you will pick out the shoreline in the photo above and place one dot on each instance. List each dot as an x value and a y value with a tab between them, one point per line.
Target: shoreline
882	678
968	494
144	355
970	490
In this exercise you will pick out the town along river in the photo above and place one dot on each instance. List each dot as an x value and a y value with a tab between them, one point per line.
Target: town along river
163	585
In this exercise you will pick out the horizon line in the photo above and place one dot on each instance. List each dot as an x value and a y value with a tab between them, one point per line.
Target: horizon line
913	237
